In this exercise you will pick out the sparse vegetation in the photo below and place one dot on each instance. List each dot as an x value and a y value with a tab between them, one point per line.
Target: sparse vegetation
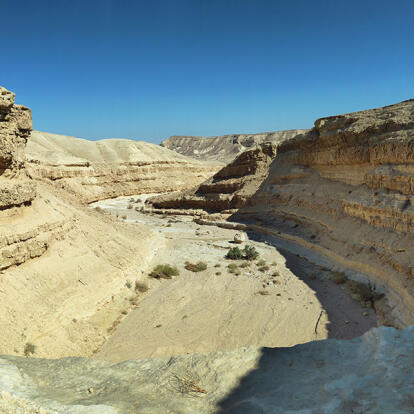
217	265
275	274
263	292
248	253
264	268
197	267
218	273
235	254
251	253
339	278
124	217
164	271
141	286
360	291
186	383
29	349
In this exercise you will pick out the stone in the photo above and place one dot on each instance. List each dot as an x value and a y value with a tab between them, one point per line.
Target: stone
239	238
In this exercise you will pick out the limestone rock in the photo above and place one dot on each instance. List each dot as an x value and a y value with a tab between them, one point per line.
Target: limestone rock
95	170
226	147
326	376
239	238
345	190
230	188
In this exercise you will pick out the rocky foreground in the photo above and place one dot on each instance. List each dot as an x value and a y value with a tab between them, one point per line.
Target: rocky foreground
371	374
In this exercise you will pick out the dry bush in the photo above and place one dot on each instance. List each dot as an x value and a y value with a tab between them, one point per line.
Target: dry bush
261	263
244	265
218	273
263	292
197	267
130	206
264	268
124	217
186	383
164	271
29	349
141	287
251	253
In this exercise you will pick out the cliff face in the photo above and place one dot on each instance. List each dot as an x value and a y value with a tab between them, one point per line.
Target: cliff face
95	170
345	191
15	128
230	188
225	147
61	264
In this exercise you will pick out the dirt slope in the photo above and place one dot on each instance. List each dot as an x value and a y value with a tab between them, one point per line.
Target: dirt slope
95	170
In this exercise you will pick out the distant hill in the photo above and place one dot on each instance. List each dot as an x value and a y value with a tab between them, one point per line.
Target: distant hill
224	147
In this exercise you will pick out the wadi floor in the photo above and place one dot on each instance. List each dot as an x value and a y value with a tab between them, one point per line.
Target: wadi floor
291	302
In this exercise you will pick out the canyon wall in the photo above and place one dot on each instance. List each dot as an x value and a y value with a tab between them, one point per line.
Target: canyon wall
345	190
225	147
95	170
63	267
229	189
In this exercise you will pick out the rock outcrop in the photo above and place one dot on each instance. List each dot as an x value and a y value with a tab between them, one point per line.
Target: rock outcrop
15	128
225	147
230	188
345	190
95	170
63	267
369	374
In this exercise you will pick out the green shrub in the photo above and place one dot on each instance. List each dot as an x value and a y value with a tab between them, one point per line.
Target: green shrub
29	349
361	291
251	253
164	271
339	278
197	267
248	253
234	254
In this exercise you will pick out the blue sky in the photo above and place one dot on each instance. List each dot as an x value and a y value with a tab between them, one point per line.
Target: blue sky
151	69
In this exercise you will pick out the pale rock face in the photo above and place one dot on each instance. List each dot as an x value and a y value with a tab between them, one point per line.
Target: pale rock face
345	190
239	238
369	374
225	147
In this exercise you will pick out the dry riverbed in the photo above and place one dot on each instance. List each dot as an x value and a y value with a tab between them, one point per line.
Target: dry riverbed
281	301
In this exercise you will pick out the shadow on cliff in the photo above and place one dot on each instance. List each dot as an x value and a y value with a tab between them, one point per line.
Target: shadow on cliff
347	319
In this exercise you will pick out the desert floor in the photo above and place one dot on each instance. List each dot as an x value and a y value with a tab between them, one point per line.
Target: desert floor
292	302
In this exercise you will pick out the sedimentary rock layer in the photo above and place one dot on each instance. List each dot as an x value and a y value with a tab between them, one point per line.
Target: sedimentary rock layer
63	266
225	147
230	188
345	188
96	170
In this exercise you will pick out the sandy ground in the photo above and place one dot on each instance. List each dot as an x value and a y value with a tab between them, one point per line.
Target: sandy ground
292	302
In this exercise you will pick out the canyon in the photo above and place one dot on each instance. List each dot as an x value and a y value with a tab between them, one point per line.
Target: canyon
224	148
89	330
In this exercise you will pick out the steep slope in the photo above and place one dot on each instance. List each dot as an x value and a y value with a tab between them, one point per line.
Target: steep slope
63	267
230	188
225	147
345	191
109	168
370	374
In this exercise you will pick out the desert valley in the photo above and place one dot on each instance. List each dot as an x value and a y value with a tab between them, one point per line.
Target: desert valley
208	274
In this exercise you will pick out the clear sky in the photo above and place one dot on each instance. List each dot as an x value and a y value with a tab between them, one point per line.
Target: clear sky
154	68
